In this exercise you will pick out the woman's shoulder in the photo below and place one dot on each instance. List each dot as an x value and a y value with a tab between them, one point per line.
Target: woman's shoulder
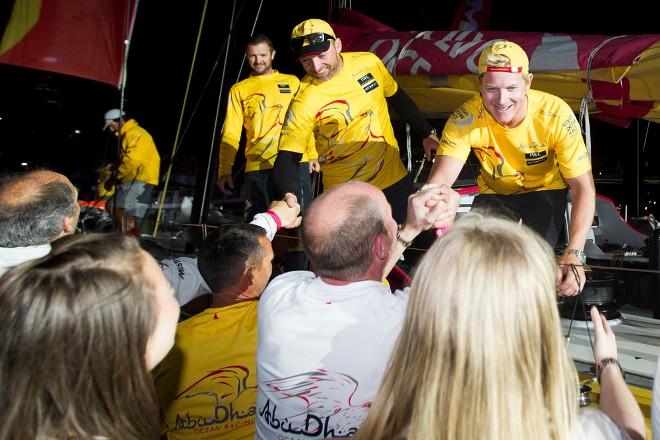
594	424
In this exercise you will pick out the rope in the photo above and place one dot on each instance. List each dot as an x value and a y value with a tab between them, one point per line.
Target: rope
218	105
408	148
178	128
588	100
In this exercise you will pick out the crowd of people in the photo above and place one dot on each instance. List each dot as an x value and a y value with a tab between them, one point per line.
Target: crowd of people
95	348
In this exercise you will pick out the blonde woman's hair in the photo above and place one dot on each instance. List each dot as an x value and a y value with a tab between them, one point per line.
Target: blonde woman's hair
481	354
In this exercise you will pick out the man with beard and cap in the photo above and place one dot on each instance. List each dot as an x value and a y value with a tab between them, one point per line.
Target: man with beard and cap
343	103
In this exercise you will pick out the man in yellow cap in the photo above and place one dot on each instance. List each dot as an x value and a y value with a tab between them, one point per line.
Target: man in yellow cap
530	148
343	102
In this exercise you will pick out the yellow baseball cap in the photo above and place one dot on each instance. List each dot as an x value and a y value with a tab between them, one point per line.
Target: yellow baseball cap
518	61
311	37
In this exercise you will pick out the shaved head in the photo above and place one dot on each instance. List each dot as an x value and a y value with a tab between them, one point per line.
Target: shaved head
339	229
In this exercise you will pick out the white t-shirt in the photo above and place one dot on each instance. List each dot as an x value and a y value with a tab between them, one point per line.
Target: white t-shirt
321	354
11	257
595	424
185	279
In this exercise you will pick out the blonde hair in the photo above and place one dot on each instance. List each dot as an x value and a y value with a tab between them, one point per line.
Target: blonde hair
481	354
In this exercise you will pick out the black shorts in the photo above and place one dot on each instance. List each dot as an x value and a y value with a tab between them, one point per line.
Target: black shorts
543	211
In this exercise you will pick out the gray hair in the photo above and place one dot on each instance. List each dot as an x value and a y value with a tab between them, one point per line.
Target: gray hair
38	219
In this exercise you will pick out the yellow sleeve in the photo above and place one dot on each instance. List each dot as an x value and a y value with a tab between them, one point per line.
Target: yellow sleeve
570	149
231	135
389	84
455	140
298	127
312	154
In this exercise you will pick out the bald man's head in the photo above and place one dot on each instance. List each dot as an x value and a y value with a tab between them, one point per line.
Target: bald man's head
36	208
339	229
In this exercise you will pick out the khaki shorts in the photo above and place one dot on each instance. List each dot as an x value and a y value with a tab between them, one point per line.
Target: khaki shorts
134	197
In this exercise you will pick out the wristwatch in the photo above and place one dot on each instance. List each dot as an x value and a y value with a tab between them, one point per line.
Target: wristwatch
578	253
400	239
433	132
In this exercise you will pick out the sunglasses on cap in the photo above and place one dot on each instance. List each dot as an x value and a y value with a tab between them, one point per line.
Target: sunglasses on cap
309	40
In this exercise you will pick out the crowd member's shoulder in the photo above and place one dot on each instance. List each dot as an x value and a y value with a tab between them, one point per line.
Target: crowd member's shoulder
286	284
592	423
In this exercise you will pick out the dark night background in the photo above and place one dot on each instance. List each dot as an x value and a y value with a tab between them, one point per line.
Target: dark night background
55	121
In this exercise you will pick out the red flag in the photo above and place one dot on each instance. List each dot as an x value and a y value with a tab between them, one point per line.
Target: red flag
82	38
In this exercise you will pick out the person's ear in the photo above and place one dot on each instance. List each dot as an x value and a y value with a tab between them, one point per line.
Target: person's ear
248	275
337	45
379	247
272	55
69	225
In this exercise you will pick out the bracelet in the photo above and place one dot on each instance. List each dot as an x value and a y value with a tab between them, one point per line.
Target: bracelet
600	366
400	239
278	220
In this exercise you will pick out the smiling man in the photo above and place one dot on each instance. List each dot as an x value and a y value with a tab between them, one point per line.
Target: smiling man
259	103
531	149
343	102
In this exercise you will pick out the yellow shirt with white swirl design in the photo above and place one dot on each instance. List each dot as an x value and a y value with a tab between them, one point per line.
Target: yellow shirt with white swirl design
546	148
258	103
349	119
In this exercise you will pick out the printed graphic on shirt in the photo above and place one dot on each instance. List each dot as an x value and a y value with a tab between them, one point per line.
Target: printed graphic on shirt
180	270
316	404
221	401
493	160
264	119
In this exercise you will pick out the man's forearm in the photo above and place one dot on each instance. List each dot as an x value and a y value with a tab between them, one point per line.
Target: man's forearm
407	110
286	173
582	213
445	170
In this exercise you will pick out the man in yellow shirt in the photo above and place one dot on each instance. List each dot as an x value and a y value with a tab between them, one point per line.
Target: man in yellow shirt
343	102
207	384
136	172
530	147
259	104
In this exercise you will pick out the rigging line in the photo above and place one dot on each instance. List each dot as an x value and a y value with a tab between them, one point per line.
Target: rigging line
217	113
178	128
203	90
646	135
240	72
254	26
592	55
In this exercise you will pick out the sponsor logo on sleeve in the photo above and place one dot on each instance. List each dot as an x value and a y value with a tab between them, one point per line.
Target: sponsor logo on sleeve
462	117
